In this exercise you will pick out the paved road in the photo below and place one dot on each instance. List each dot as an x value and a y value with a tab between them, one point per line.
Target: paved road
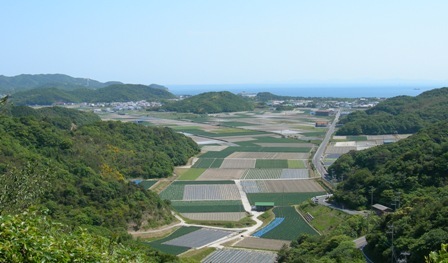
318	156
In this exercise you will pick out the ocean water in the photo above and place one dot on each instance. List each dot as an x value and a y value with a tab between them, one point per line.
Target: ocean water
306	91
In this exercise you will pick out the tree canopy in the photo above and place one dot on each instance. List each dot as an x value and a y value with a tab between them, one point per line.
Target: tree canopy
402	114
211	102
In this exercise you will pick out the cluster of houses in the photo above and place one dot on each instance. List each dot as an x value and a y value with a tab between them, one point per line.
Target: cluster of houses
120	106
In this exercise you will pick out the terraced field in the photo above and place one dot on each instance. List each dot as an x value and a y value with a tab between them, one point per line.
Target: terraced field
198	238
281	199
169	249
176	190
238	163
208	163
262	243
271	164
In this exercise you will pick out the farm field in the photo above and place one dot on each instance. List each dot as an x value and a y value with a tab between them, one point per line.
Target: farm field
198	238
261	243
146	184
211	192
269	155
191	174
291	227
176	190
238	163
208	163
208	206
266	174
240	255
264	163
281	199
281	186
222	174
216	216
173	250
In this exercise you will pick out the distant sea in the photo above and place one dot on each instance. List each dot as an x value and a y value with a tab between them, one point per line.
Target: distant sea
305	91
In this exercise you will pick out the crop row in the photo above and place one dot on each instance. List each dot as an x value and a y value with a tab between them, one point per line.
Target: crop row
292	226
211	192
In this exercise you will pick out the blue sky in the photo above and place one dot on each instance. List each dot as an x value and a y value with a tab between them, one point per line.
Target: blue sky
226	42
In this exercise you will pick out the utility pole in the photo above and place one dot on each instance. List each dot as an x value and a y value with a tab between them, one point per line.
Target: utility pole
372	189
391	231
396	200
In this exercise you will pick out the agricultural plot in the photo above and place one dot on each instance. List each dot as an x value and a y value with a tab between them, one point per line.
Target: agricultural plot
271	164
262	174
175	191
281	199
238	163
253	186
211	192
222	174
294	174
292	226
228	151
300	145
281	186
296	164
173	250
269	155
213	148
224	216
191	174
277	221
339	150
208	163
293	186
208	206
240	255
198	238
262	243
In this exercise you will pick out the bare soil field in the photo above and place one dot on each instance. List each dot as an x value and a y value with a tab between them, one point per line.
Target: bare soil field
229	163
214	148
339	150
261	243
303	186
222	174
216	216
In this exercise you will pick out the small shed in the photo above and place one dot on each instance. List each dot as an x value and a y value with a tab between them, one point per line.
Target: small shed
263	206
381	209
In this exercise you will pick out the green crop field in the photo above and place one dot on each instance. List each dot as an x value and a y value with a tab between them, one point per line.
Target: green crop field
208	206
262	174
208	163
281	199
314	134
220	133
291	227
236	123
192	174
271	164
173	250
146	184
173	192
296	164
203	182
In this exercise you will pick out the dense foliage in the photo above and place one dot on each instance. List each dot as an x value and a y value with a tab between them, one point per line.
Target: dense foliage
321	249
402	114
211	102
33	237
112	93
410	175
408	165
89	162
28	81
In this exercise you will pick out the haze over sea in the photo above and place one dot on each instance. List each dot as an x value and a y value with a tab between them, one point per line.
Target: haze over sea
352	91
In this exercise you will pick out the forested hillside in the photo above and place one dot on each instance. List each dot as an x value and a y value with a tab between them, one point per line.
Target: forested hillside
211	102
402	114
86	162
411	176
112	93
22	82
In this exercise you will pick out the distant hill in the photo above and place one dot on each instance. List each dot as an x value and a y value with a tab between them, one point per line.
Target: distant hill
402	114
211	102
22	82
112	93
